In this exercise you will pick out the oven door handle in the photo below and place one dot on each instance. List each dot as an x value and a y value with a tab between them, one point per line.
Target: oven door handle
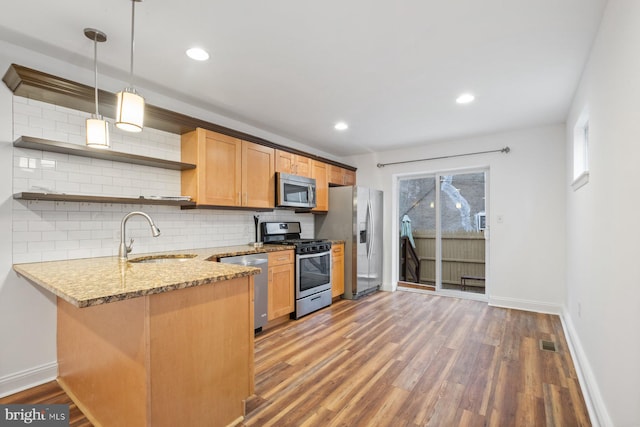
317	254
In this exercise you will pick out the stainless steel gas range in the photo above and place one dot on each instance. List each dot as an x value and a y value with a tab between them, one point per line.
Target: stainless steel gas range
312	265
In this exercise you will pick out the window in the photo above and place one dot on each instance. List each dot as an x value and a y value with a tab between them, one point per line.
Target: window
581	151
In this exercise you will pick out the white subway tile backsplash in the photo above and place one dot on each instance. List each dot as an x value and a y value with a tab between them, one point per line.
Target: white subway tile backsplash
79	235
27	109
55	236
67	244
27	236
22	257
26	130
45	231
55	135
41	122
101	234
41	246
20	247
55	115
54	255
41	226
69	128
86	188
20	119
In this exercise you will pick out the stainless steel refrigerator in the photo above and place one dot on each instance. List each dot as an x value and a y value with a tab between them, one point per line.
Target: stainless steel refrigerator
355	216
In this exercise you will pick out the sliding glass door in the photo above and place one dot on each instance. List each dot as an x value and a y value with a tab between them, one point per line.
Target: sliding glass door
446	215
417	208
461	236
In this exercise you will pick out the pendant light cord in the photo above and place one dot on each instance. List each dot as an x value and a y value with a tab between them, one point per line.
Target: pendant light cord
133	18
95	67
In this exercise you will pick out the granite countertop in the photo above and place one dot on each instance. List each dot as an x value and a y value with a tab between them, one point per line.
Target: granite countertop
92	281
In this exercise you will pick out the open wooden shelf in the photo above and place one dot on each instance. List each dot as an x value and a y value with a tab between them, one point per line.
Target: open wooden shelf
100	199
97	153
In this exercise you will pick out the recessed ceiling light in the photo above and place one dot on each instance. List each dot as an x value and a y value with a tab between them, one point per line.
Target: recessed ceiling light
198	54
465	98
341	126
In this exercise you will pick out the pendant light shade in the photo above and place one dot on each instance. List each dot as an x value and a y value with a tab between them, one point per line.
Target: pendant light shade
97	132
97	127
130	110
130	105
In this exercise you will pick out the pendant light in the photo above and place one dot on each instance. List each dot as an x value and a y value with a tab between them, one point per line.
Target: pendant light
130	105
97	127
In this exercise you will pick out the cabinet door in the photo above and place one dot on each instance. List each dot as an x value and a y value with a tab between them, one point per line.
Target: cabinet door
319	173
349	177
340	176
222	169
217	179
294	164
303	166
258	176
336	175
337	270
281	292
285	162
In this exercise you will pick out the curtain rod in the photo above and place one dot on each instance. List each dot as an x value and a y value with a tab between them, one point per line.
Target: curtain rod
502	150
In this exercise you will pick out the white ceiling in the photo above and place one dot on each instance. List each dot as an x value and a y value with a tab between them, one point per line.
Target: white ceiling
391	69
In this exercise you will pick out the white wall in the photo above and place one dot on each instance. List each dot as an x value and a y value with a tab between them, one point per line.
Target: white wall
27	353
39	231
603	272
526	268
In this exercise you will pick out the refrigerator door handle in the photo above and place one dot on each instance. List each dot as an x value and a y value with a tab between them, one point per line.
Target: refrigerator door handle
373	228
370	233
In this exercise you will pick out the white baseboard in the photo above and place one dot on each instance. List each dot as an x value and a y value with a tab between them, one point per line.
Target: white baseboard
13	383
590	390
527	305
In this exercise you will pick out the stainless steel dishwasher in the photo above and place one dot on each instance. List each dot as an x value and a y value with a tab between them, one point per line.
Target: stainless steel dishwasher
260	284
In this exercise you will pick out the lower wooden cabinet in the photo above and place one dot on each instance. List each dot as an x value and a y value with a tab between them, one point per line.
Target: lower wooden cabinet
281	284
337	269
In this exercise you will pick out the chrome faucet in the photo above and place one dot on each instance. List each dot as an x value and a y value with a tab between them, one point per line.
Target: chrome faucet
124	248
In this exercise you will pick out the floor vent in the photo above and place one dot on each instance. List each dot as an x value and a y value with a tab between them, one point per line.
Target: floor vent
548	345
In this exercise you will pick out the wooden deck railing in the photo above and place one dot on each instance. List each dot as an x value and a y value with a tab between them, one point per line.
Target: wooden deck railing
409	262
463	254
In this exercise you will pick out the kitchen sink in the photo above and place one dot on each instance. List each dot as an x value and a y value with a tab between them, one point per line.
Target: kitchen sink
160	259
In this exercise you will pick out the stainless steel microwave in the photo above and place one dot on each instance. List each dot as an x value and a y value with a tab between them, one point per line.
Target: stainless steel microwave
295	191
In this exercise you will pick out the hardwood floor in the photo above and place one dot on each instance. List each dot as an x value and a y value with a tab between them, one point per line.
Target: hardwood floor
49	394
406	359
409	359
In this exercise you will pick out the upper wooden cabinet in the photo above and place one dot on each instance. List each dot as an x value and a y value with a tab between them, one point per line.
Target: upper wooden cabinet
295	164
341	176
319	171
229	171
258	176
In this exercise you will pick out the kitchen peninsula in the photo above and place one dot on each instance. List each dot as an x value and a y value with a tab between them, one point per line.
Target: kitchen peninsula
162	344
